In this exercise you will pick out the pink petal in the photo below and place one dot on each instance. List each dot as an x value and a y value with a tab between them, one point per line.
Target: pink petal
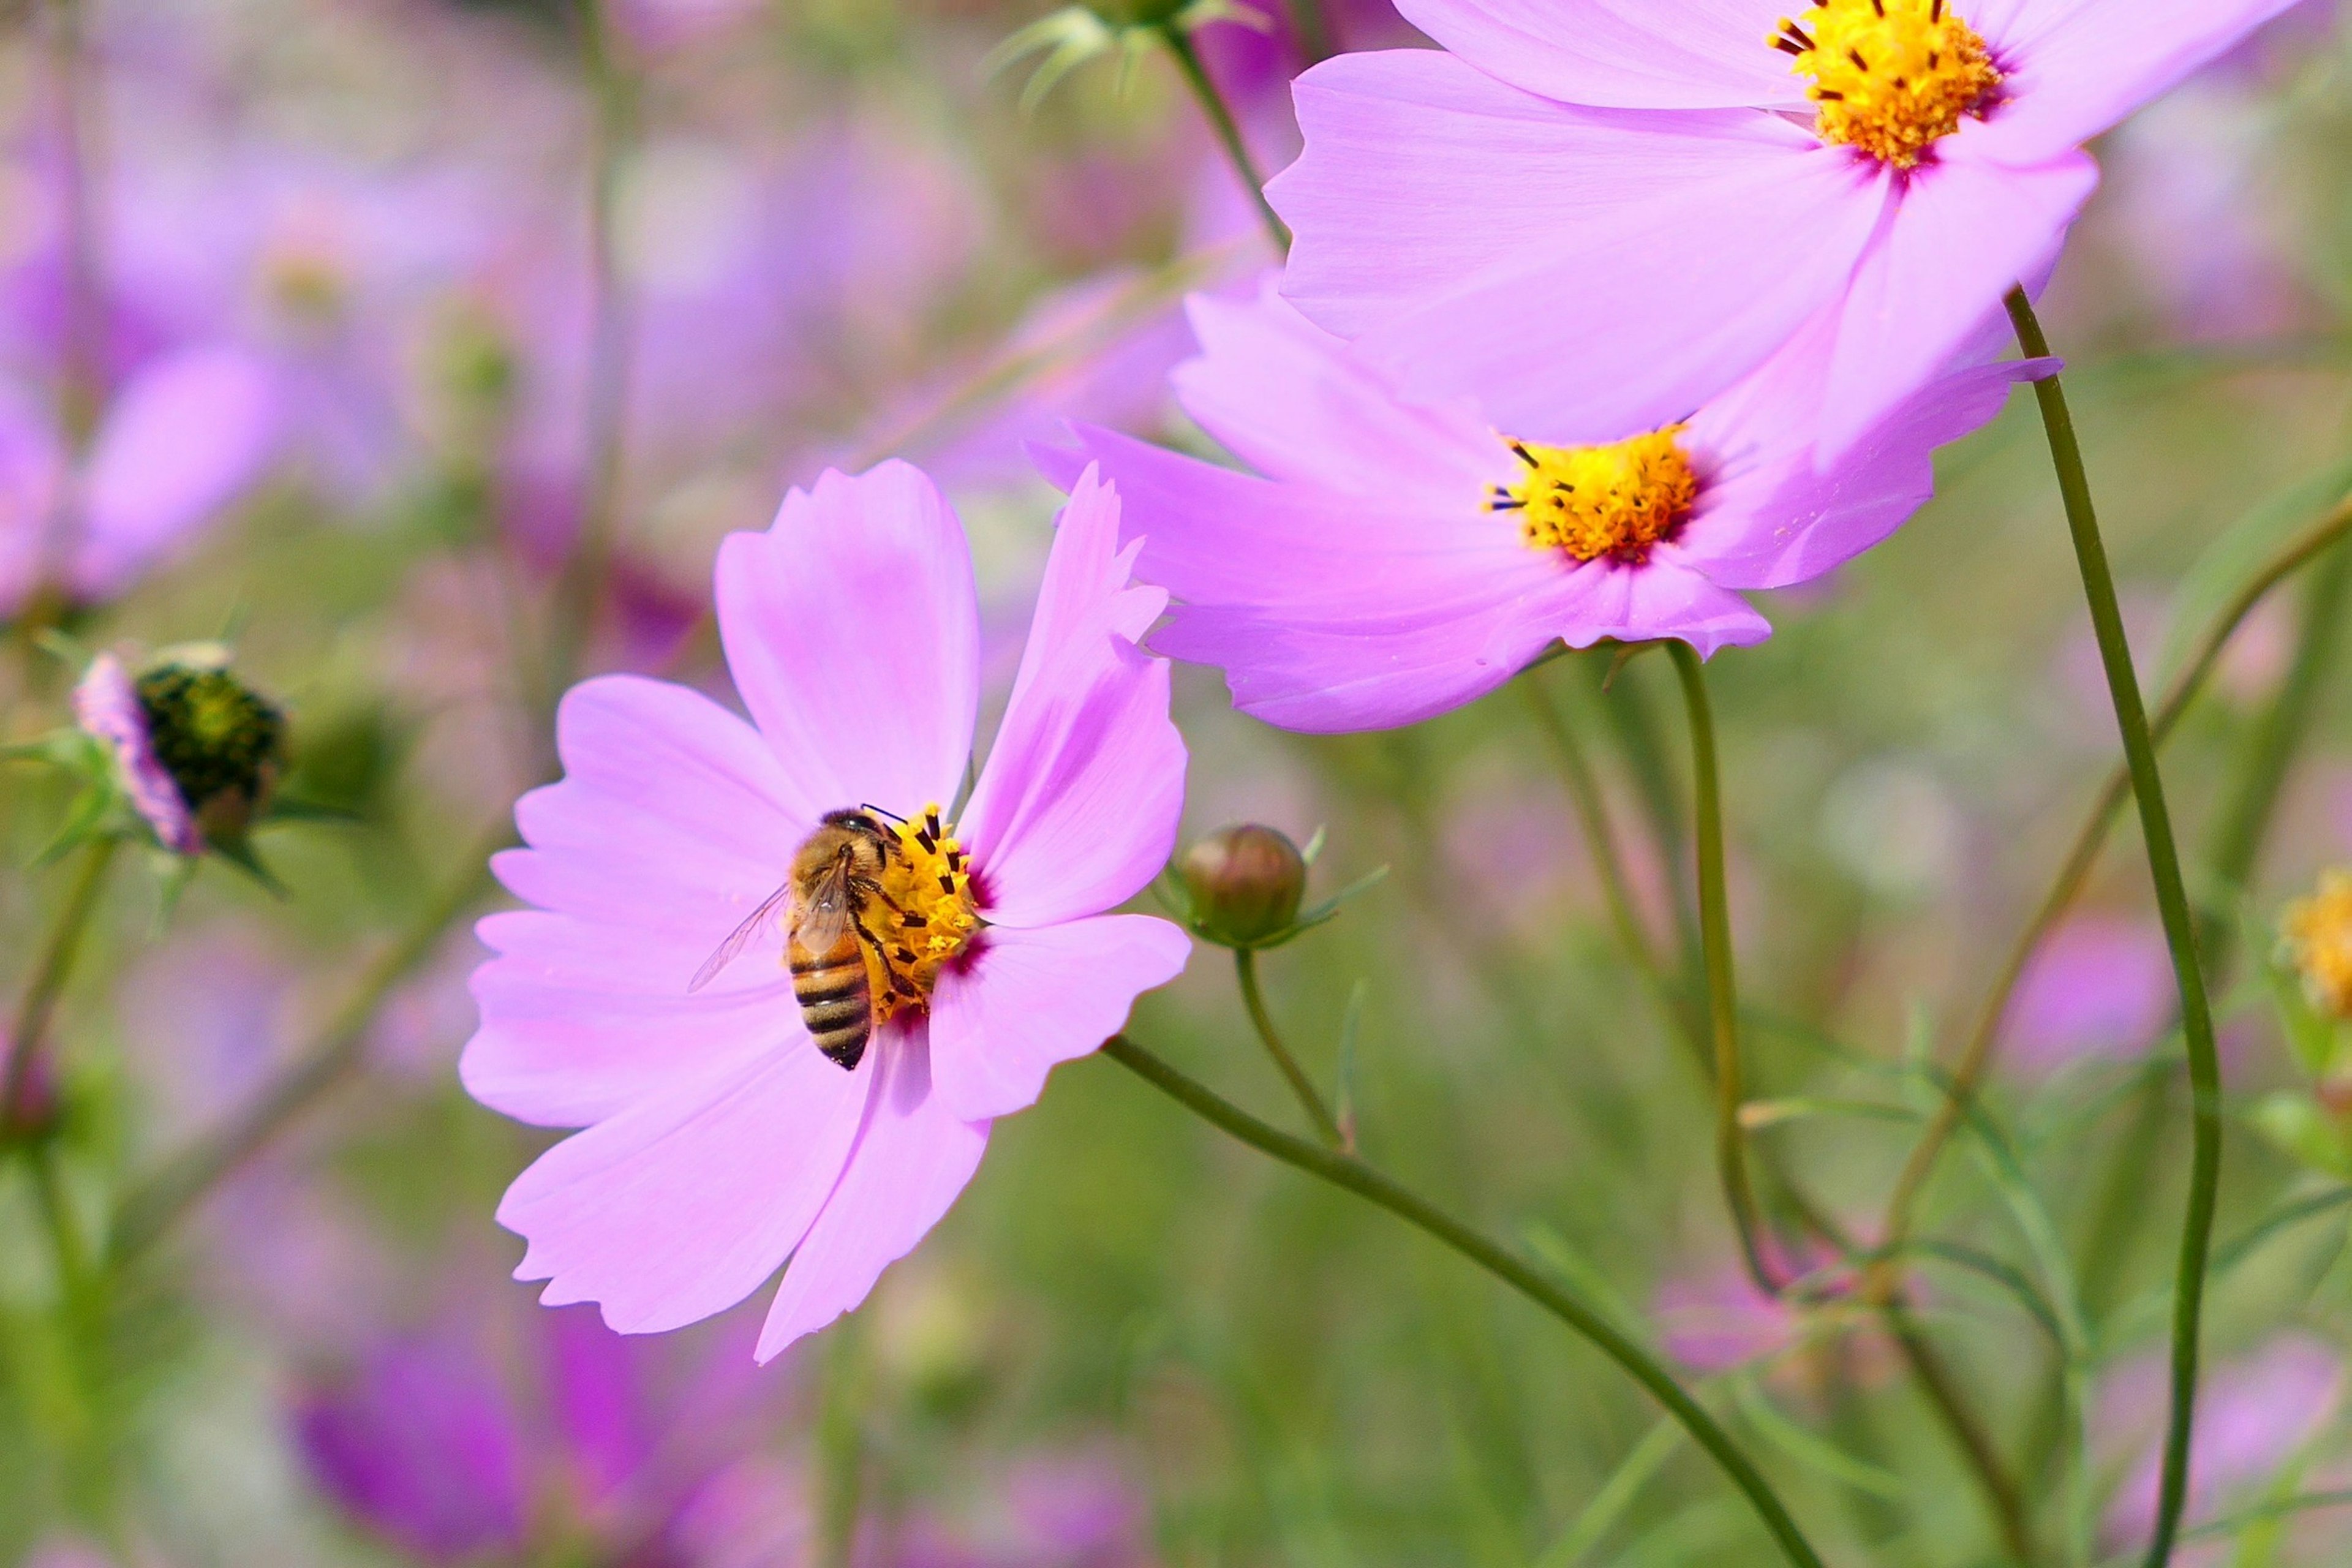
1663	597
1335	674
179	441
1290	399
1585	274
672	823
2081	67
1036	999
1966	231
32	469
1622	54
681	1206
852	629
1078	807
911	1159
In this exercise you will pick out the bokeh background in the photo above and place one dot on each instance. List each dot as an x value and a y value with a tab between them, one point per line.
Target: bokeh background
357	311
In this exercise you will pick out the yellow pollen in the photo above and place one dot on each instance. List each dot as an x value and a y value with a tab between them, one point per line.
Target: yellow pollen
1892	76
2318	931
1592	501
925	917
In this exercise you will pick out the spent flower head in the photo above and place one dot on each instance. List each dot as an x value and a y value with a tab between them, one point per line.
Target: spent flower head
194	751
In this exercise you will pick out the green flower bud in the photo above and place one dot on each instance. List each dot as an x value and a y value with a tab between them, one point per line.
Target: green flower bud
223	746
1246	884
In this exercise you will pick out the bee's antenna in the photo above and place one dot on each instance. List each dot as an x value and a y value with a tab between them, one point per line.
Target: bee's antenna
883	812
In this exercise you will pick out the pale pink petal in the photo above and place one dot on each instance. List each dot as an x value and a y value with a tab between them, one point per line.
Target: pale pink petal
1077	809
1335	673
179	441
32	471
1966	231
672	823
852	630
1034	999
1663	597
1290	399
1623	54
911	1159
2081	67
681	1206
1585	274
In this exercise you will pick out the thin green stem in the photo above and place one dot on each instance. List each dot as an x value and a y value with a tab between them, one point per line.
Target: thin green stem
1310	1098
613	103
26	1039
1353	1175
2081	857
56	1218
2180	926
155	1204
1229	133
1715	940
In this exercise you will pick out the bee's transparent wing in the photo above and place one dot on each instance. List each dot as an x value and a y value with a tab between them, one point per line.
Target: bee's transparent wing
825	917
740	938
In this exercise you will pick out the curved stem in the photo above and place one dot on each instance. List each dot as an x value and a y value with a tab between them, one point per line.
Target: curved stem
1722	990
155	1204
1314	29
50	971
1353	1175
1229	133
1311	1100
1977	1053
2180	926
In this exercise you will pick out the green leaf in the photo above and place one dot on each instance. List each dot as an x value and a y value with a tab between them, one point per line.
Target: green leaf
2239	550
1809	1449
1351	1024
1616	1496
2300	1129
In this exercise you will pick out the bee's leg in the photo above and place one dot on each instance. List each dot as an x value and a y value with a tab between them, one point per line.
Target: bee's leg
899	985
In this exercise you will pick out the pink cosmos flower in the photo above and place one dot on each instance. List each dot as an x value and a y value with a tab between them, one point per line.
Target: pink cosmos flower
1595	214
1397	561
718	1139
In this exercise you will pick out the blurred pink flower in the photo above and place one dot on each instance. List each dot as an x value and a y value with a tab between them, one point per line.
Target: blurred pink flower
2101	986
719	1140
2253	1414
1578	217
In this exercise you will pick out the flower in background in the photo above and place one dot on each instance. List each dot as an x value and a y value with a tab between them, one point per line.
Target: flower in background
2254	1417
1719	1321
1578	217
195	753
2100	987
182	438
1397	561
2317	935
584	1439
718	1139
1069	1510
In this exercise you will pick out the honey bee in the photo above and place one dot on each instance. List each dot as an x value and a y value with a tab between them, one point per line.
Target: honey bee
836	878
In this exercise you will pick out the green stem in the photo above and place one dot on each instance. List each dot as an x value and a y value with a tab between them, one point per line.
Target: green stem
1353	1175
840	1470
579	592
152	1205
1311	1100
1715	940
2180	926
50	971
57	1217
2081	857
1229	134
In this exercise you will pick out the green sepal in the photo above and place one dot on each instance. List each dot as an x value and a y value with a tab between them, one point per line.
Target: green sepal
239	852
1319	914
84	821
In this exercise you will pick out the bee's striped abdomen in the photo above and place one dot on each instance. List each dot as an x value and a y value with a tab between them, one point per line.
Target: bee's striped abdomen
834	1000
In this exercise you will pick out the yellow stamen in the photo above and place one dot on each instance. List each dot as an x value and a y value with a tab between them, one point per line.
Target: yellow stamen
1592	501
1892	76
2319	932
925	917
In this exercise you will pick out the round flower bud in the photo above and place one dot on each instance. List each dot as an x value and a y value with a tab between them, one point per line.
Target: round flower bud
1246	883
222	743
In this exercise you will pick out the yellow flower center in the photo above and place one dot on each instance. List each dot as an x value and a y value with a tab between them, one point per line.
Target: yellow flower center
1892	76
1596	501
924	917
2318	931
